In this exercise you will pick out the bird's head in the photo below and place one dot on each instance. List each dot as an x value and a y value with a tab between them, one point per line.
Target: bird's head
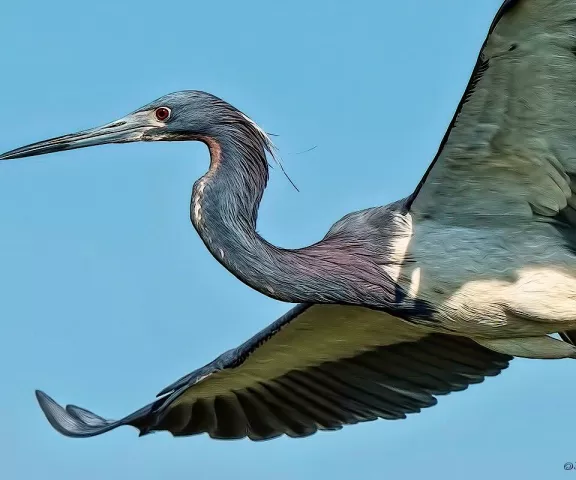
186	115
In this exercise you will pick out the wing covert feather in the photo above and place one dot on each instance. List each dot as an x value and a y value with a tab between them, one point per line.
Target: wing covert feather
511	147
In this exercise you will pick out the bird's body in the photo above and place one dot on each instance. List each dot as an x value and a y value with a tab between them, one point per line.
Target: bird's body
396	304
485	279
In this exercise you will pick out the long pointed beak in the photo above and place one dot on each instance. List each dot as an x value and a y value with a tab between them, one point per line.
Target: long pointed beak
128	129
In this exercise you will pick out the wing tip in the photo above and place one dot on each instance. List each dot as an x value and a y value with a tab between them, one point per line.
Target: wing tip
73	421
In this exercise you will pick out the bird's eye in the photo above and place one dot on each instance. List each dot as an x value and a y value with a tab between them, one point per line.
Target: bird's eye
162	113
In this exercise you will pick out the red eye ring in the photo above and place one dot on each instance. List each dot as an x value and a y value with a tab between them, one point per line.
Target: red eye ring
162	113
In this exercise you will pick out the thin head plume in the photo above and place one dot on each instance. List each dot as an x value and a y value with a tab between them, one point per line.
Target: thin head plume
270	148
274	153
307	150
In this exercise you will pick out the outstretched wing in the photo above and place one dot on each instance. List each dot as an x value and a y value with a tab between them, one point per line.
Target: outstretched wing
318	367
511	147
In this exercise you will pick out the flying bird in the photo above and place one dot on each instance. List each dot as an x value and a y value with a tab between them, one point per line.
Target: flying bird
397	304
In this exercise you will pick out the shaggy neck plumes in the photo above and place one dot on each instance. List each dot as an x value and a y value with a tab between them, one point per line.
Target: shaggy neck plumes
224	211
225	203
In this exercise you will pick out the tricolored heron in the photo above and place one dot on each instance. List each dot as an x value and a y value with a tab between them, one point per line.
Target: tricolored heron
397	304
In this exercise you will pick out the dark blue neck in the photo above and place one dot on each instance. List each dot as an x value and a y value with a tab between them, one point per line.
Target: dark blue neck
224	211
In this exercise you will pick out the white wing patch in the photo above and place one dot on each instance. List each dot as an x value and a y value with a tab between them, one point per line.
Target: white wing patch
511	280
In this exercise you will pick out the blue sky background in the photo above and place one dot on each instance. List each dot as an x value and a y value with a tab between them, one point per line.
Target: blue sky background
107	294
